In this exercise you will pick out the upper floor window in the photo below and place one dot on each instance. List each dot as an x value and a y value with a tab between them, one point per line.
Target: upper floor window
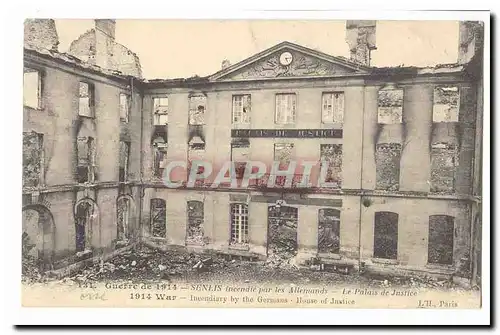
286	105
32	159
32	88
444	158
242	105
333	107
86	100
160	116
390	106
124	160
160	149
86	164
387	160
124	107
331	162
446	102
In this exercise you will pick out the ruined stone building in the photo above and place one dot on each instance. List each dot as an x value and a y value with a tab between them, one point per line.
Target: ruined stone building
402	146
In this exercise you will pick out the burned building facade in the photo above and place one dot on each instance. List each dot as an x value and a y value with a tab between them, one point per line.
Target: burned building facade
400	146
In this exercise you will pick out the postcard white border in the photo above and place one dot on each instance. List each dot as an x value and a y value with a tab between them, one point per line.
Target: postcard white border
11	148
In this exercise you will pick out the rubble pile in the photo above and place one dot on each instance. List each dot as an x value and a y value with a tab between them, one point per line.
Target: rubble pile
144	263
411	282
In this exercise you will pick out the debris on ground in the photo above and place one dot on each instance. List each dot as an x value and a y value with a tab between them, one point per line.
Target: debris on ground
145	264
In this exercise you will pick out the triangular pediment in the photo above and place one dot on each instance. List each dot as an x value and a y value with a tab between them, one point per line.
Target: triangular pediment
288	60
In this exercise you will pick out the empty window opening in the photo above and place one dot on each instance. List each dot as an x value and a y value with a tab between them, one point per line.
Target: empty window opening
443	166
38	238
331	160
32	159
123	217
333	107
86	100
83	226
282	231
124	161
32	88
195	214
390	106
329	230
385	241
286	105
86	160
441	230
387	160
124	107
197	109
159	218
240	154
160	115
239	224
160	148
446	104
283	153
242	106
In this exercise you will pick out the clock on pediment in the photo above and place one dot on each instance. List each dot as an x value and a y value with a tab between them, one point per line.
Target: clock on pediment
286	58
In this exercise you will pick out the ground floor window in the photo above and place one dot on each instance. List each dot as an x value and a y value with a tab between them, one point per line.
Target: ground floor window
195	214
123	216
83	225
385	244
239	223
158	218
329	230
38	238
440	249
282	231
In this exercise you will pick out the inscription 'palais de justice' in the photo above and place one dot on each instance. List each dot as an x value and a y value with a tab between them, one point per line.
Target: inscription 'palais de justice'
290	133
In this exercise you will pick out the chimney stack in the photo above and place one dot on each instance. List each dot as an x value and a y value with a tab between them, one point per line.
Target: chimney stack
360	36
225	64
104	42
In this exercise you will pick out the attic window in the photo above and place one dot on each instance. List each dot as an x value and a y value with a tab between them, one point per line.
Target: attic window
197	108
32	88
286	105
242	105
446	103
333	107
390	106
160	116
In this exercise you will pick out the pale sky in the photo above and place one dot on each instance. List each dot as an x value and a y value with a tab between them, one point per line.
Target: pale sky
182	48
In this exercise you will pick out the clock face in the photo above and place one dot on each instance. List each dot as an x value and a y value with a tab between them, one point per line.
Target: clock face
286	58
